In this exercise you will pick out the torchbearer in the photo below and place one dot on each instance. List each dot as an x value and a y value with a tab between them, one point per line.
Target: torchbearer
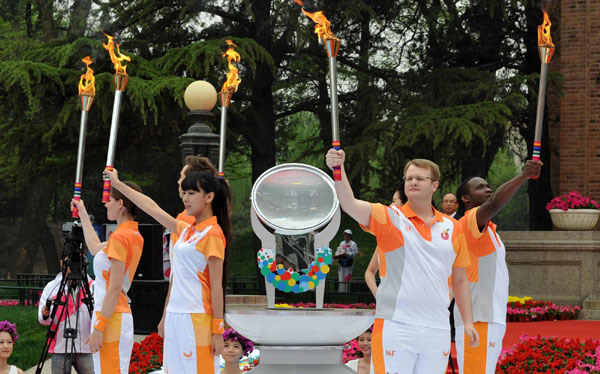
87	93
120	80
546	50
229	88
332	46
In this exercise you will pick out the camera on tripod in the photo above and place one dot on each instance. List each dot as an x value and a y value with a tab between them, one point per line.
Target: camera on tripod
73	293
72	256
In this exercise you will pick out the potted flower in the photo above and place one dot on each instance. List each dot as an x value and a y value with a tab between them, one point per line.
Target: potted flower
573	211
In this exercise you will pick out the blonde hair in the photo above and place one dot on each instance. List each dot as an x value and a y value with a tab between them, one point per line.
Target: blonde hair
425	164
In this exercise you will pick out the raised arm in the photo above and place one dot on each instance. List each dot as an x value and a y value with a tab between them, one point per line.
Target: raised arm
143	202
505	193
89	234
359	210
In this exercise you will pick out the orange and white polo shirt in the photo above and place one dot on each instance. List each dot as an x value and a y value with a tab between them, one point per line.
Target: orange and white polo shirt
190	291
183	216
488	273
125	245
419	259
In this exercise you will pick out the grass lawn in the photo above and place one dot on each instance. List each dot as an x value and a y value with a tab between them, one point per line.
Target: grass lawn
32	335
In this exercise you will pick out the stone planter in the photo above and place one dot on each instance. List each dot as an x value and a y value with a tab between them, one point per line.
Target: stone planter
575	219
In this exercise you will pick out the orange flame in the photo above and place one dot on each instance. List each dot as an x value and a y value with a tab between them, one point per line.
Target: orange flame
87	88
323	26
544	38
116	60
233	80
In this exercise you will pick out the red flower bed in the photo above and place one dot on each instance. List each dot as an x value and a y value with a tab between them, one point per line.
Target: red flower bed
540	311
147	356
544	355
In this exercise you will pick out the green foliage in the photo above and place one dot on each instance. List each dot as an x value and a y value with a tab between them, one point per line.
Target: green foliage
199	59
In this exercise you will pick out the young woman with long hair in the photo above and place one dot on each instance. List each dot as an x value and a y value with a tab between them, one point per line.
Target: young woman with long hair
115	263
192	322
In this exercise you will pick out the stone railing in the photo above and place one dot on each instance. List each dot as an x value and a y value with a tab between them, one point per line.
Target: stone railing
558	266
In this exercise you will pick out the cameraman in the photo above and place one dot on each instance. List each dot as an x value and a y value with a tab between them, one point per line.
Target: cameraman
78	354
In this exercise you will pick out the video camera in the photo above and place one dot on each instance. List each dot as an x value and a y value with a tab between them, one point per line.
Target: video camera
72	256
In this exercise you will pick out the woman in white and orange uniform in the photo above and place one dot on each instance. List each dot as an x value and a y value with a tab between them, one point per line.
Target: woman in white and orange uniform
488	273
193	324
115	263
377	262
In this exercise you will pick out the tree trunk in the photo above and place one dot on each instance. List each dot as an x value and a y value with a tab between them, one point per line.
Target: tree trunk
79	15
263	142
49	249
46	18
34	231
28	22
539	191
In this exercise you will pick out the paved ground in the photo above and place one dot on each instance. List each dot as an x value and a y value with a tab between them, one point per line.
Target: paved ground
47	369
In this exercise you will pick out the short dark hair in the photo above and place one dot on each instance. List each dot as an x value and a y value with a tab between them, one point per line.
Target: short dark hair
461	191
400	190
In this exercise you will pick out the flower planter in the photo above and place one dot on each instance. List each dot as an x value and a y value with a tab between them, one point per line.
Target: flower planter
575	219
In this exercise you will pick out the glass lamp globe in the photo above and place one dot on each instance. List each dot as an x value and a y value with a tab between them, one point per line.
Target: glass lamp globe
200	96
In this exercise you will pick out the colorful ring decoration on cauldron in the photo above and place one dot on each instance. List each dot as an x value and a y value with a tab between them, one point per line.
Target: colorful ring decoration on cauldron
290	280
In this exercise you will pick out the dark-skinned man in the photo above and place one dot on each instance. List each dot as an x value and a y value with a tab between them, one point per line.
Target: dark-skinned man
488	273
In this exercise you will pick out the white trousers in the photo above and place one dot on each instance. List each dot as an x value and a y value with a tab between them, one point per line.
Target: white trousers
117	343
482	359
401	348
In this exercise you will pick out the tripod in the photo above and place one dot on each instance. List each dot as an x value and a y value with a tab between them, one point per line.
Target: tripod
74	288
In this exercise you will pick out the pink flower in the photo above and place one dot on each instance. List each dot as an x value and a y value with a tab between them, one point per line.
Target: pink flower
572	200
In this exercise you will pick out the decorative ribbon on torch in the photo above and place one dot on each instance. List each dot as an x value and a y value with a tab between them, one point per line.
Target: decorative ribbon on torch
120	80
229	88
546	50
332	46
87	93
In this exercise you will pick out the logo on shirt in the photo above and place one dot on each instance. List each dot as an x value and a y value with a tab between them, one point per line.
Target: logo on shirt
390	353
445	235
408	228
187	355
446	353
492	345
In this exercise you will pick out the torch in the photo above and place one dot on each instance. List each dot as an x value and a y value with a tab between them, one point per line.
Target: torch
332	46
546	50
120	81
229	88
87	92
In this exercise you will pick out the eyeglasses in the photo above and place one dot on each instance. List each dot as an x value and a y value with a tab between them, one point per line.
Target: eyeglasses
417	178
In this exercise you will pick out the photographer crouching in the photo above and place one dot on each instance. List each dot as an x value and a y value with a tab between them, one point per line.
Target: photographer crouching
68	348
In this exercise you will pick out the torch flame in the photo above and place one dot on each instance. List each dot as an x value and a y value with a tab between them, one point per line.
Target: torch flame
233	80
323	26
544	38
88	87
116	60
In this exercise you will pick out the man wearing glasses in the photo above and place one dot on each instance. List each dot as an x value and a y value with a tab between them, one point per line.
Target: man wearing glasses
425	253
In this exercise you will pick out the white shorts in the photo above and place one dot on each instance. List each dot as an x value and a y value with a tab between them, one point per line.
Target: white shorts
401	348
117	343
482	359
188	344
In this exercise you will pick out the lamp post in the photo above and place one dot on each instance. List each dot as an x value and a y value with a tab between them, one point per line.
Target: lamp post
200	97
